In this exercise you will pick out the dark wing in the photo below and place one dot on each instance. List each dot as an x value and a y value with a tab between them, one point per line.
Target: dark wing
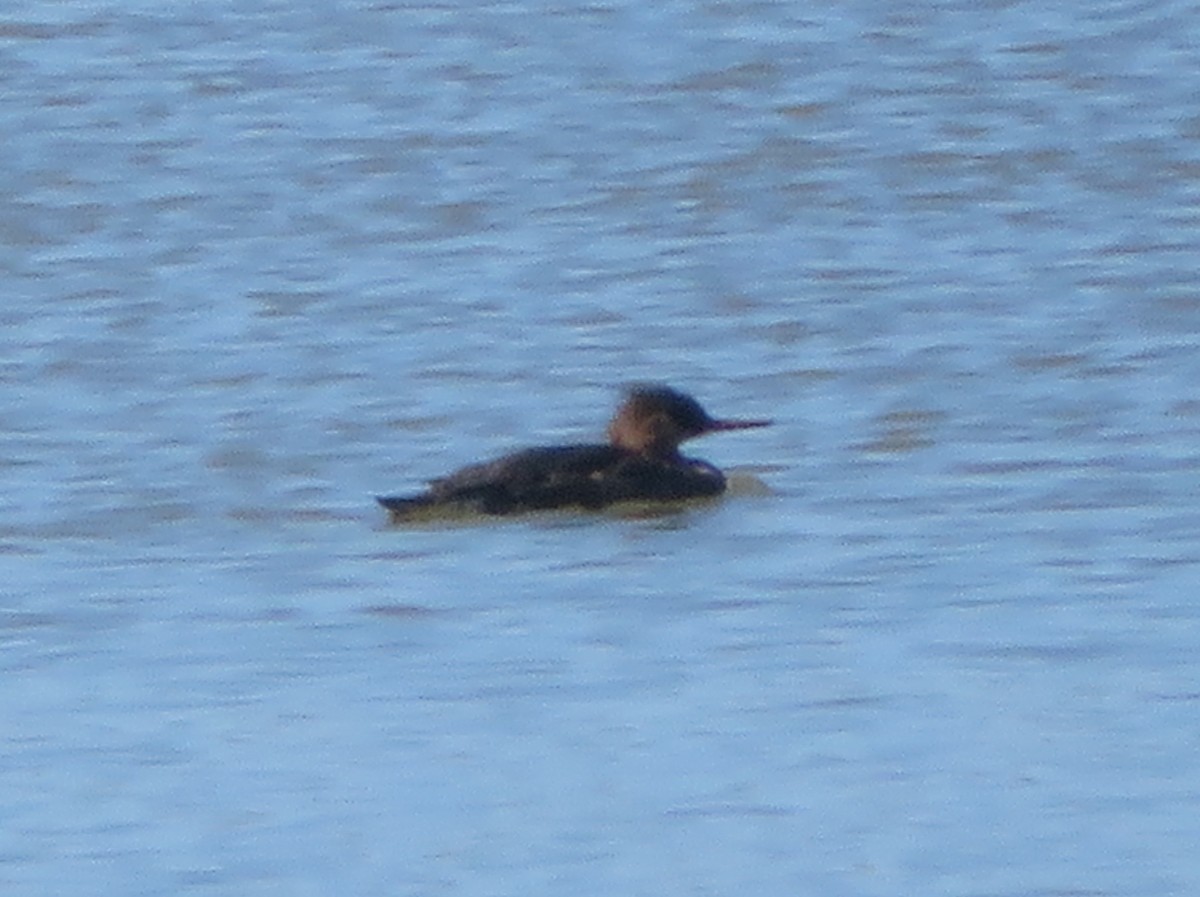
554	477
648	479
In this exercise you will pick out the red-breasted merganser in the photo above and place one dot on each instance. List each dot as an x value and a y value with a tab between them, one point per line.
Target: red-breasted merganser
640	462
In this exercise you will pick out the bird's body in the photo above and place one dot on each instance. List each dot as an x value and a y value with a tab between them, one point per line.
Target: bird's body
641	462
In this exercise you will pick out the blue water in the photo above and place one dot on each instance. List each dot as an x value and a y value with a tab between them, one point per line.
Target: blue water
262	262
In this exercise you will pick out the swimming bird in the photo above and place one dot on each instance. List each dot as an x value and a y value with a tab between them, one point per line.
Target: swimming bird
640	462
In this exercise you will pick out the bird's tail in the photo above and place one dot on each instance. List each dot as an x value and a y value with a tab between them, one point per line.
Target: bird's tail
404	507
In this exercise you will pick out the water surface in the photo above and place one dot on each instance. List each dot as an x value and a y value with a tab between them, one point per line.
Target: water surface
262	263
